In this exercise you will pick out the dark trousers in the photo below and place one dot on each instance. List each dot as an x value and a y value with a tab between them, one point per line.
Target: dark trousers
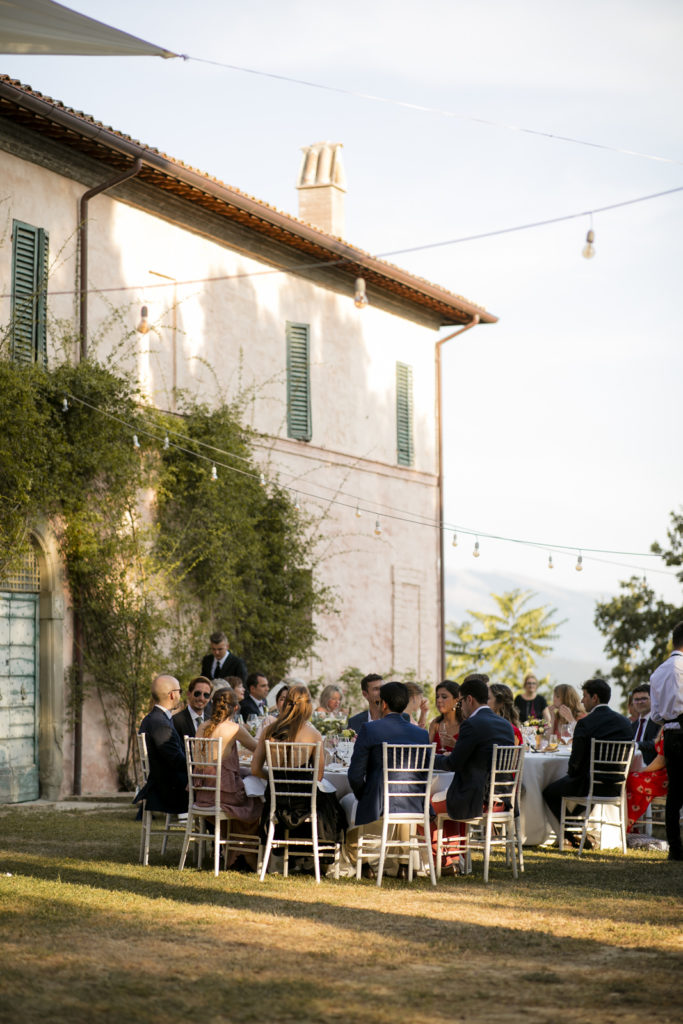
673	755
566	786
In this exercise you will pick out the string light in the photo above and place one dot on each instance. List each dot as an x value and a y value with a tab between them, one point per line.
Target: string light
550	561
378	528
402	515
262	480
360	298
167	443
588	251
475	551
297	506
65	405
454	542
214	473
143	323
579	563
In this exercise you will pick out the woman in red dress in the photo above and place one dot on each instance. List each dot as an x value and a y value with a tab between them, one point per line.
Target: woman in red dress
643	787
443	731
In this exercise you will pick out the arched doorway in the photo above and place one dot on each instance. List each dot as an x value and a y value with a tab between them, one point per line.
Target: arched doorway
32	676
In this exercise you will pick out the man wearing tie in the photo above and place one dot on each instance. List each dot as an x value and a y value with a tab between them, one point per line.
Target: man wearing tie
221	662
644	729
255	701
187	722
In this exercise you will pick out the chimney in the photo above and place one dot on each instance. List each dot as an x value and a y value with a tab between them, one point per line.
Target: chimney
322	187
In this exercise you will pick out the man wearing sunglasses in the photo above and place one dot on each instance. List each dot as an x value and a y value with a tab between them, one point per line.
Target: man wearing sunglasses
187	722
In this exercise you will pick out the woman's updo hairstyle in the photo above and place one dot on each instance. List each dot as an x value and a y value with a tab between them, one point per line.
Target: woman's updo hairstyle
225	703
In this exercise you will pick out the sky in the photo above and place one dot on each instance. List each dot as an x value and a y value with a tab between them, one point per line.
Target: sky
561	419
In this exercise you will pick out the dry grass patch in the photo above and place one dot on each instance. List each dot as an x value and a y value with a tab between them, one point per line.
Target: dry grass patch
91	936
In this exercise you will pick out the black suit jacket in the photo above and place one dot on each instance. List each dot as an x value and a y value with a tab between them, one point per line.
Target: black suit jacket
601	724
647	744
232	666
166	787
184	723
470	760
249	707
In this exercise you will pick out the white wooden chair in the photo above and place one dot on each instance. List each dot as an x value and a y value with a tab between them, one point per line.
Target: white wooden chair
407	773
498	826
293	774
204	762
147	817
609	765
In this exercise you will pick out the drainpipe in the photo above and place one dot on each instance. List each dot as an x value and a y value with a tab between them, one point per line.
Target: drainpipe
83	246
439	441
77	656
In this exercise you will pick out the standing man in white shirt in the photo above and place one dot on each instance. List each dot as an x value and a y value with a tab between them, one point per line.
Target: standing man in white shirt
666	697
222	662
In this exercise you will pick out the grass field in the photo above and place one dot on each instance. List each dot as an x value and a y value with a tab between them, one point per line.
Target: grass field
88	935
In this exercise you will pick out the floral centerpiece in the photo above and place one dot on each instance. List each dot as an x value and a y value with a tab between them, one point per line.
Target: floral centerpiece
328	726
537	724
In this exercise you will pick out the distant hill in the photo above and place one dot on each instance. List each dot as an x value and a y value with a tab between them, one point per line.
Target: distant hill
578	651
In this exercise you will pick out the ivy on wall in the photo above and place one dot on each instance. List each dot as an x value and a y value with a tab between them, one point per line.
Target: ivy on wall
157	554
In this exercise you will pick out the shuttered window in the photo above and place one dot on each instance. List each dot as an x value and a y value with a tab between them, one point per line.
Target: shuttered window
298	381
29	293
404	414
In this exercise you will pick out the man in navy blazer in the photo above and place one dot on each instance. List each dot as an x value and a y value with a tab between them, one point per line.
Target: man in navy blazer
369	685
644	729
470	759
366	768
166	787
600	723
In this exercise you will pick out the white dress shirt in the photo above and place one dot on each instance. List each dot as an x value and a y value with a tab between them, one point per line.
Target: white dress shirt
666	691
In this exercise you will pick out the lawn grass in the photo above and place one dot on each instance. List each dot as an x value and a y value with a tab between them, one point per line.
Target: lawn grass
88	935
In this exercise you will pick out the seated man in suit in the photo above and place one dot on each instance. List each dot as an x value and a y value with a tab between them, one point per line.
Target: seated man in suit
222	662
644	729
470	759
369	685
600	723
198	696
166	787
255	702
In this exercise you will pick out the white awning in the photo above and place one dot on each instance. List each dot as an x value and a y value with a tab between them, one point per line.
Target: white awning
41	26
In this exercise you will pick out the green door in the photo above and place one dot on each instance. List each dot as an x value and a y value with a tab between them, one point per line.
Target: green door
18	697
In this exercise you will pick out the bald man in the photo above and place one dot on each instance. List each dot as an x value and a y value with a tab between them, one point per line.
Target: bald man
166	787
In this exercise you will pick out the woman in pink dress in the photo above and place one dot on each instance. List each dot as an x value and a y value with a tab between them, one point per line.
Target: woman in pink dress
643	787
234	800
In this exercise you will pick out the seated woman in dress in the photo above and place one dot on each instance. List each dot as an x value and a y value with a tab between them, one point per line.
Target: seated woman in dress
642	787
293	726
246	810
236	684
444	729
565	709
271	717
501	701
418	705
330	701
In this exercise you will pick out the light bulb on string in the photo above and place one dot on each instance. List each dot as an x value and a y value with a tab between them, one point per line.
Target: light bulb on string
588	251
136	443
143	323
263	480
65	405
454	542
476	552
214	473
579	563
167	443
297	506
360	298
550	561
378	528
359	514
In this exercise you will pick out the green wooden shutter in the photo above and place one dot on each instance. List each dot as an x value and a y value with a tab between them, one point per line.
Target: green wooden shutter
298	382
30	247
404	414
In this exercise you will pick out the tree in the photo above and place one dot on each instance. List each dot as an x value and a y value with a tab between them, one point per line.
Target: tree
505	644
636	623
